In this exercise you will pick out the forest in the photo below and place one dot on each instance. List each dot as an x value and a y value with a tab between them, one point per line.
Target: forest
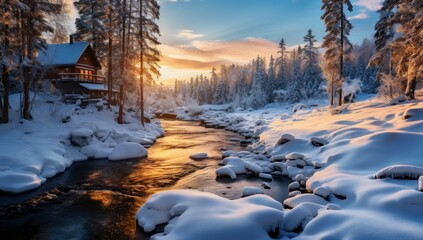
125	39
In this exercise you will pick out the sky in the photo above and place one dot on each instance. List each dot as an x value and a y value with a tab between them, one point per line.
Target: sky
198	35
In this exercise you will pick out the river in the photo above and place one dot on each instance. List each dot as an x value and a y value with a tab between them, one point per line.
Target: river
98	199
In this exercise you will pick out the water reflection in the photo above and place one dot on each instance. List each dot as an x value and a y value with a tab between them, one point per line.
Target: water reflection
98	199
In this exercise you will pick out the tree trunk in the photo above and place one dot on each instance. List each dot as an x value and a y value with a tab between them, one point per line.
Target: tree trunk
121	96
141	65
341	67
5	76
123	57
109	58
30	55
5	110
411	81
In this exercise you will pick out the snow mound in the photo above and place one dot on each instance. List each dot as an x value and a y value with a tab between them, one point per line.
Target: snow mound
295	156
266	176
400	172
199	215
319	142
413	114
299	217
199	156
285	138
253	167
128	150
226	171
322	192
81	136
421	183
249	191
233	165
304	198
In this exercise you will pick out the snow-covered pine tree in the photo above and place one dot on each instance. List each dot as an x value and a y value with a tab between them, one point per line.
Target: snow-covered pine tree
258	97
406	50
90	25
384	34
271	83
149	55
34	25
281	65
336	43
8	49
219	94
295	85
312	77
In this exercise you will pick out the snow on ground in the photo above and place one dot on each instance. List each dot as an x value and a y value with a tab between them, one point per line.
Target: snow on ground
356	174
192	214
59	134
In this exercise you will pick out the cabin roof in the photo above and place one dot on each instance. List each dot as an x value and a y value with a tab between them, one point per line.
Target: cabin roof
64	54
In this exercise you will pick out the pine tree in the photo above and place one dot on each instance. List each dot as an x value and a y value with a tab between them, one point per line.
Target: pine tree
8	20
312	72
271	83
282	65
149	56
219	94
258	97
336	43
293	92
33	25
90	25
406	52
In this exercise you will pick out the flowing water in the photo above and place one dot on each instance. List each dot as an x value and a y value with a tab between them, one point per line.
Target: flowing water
98	199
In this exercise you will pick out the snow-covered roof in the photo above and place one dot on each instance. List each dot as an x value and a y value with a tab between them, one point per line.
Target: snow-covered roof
62	54
95	87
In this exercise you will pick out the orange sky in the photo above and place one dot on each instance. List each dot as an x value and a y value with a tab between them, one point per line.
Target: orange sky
199	57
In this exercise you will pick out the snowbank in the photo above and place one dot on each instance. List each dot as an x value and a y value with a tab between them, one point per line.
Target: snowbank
198	215
358	166
32	151
128	150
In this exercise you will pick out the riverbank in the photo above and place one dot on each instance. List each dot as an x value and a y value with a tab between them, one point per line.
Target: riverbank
60	134
99	198
366	180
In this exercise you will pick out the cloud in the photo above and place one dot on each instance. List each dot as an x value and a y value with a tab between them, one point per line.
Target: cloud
372	5
188	35
201	56
359	16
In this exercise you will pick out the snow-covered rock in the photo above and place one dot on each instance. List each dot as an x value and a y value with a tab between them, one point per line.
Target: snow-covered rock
253	167
278	158
229	153
285	138
226	171
295	156
249	191
400	171
199	156
319	142
81	136
300	216
266	176
294	193
304	198
294	186
421	183
322	192
199	215
128	150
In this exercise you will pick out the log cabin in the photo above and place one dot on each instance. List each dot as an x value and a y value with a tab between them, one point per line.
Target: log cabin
74	68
